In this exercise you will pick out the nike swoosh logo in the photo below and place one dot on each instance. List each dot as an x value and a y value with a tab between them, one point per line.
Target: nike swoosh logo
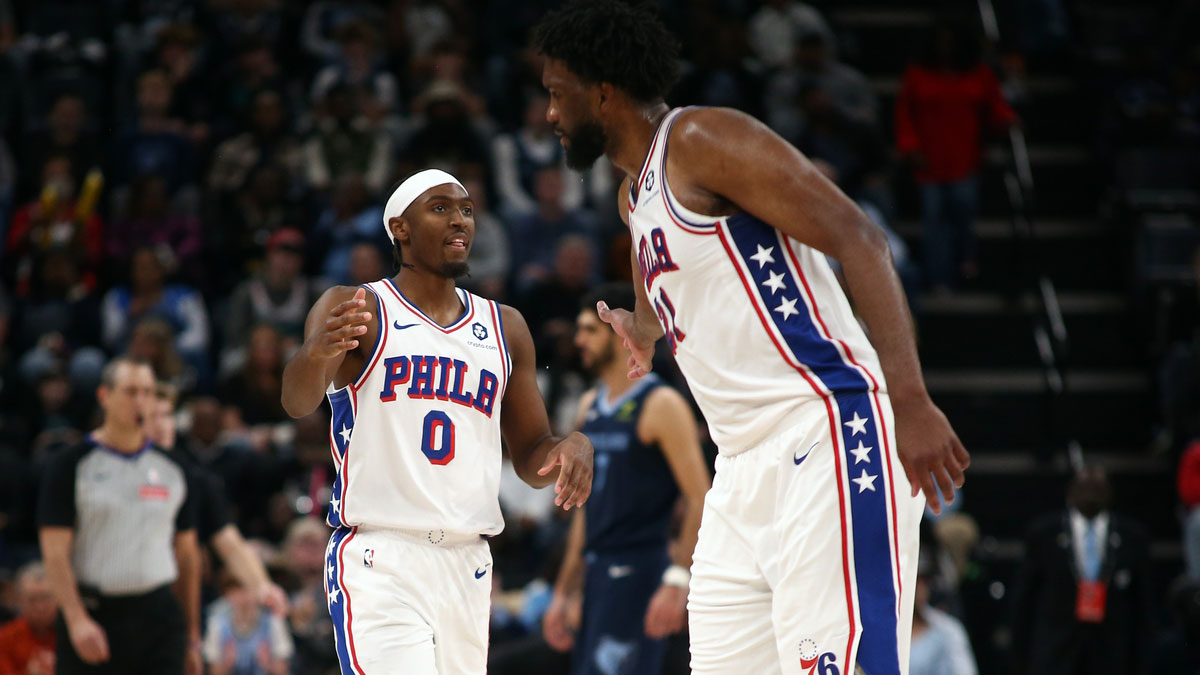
397	325
480	572
803	457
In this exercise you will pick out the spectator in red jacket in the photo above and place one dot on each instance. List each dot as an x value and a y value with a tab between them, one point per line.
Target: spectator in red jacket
27	642
946	99
1188	482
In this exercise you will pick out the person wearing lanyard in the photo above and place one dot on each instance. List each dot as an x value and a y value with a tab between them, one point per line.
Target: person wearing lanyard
118	539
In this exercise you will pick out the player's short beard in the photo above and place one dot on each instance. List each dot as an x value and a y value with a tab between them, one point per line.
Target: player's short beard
602	359
588	142
455	270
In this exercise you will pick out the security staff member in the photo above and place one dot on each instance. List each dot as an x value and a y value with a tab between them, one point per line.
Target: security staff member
117	536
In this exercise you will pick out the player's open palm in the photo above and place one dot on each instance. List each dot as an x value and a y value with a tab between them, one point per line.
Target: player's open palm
641	348
573	457
344	325
930	451
560	622
667	612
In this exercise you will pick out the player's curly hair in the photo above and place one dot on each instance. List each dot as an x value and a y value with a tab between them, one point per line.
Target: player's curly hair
620	42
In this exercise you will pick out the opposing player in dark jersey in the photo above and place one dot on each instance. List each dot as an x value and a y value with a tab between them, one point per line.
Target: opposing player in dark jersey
634	582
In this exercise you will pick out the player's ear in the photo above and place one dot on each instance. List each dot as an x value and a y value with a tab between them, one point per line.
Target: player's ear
604	94
400	229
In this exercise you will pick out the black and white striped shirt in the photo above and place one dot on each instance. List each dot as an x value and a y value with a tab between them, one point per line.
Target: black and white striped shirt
125	510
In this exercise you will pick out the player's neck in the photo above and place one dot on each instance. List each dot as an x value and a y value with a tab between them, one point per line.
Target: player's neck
124	440
630	143
432	294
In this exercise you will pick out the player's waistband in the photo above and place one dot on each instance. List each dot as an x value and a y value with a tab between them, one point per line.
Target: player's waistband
432	537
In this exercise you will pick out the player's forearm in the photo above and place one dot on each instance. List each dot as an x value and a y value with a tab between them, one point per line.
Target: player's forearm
570	575
304	383
689	532
879	299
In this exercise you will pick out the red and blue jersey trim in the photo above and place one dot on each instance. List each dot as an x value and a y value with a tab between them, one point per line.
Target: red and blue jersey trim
380	340
505	355
337	598
462	320
783	300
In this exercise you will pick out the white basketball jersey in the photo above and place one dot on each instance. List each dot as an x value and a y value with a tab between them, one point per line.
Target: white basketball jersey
416	438
757	321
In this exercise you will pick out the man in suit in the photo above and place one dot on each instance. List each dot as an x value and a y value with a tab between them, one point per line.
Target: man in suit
1082	601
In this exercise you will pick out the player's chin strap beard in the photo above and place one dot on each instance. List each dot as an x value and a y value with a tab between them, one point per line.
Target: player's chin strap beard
398	260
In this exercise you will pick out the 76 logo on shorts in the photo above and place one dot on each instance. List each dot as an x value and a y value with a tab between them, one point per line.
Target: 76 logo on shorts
815	663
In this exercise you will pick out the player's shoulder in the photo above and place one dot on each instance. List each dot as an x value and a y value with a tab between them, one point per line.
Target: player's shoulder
661	397
703	124
512	318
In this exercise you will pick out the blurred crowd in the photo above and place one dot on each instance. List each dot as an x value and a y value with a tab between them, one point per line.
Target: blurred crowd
181	179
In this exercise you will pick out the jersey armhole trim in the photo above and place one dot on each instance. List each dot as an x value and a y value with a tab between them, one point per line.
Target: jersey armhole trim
502	340
683	218
380	340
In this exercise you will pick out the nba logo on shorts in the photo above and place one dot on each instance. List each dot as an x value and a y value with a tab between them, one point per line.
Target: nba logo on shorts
369	557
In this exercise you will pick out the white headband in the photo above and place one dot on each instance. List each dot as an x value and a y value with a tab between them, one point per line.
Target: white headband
409	190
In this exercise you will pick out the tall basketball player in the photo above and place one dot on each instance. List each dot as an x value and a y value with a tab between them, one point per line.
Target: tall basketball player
422	389
807	551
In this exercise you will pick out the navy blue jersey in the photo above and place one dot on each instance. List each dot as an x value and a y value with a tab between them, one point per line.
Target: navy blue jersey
633	489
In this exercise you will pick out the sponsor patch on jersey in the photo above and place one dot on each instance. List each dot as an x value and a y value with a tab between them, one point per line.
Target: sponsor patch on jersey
479	330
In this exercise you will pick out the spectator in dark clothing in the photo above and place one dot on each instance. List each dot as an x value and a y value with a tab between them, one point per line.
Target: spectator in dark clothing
154	142
268	141
253	69
1083	598
946	100
261	208
815	64
352	218
149	221
1177	649
447	138
280	295
359	67
552	303
722	74
254	388
178	54
66	134
346	142
854	153
535	237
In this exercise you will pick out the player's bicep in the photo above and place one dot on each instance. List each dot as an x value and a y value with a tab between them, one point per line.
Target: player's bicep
623	200
523	418
739	159
671	424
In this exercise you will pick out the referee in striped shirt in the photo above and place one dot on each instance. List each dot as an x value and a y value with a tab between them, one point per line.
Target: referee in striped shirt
119	544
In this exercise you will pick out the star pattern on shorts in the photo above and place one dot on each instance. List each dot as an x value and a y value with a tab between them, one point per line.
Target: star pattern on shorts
865	481
858	425
861	453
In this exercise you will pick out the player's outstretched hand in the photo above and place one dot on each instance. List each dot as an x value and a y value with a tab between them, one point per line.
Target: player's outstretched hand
342	328
560	622
667	612
573	456
929	450
624	323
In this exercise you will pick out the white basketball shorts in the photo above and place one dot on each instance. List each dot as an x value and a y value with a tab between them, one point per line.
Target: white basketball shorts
409	602
807	555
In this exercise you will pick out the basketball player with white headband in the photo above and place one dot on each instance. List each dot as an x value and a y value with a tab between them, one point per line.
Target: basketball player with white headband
424	380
